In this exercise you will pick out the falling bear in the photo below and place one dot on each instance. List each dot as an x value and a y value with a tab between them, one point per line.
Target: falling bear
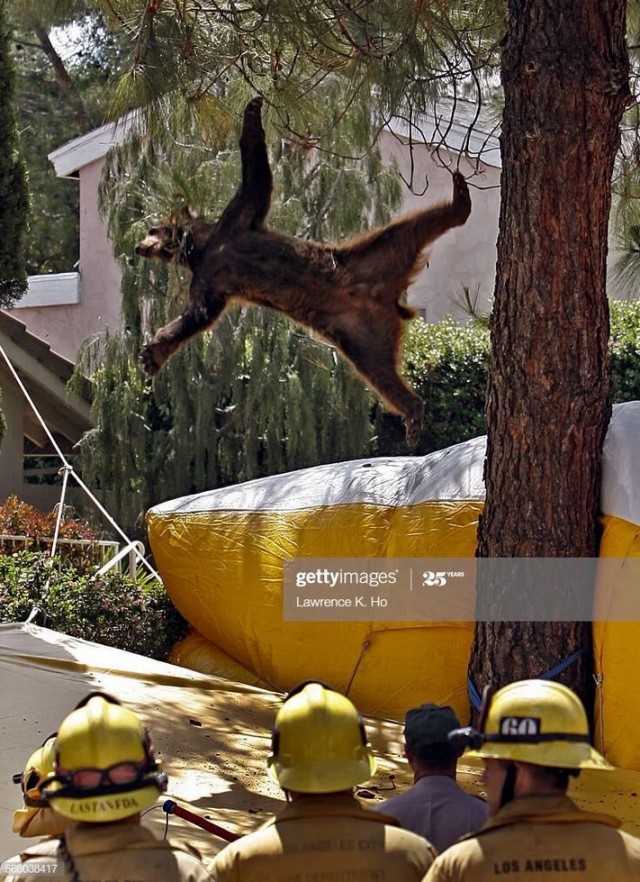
351	293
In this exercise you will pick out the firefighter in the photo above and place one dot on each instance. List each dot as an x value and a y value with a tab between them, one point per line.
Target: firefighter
533	737
36	817
319	753
105	776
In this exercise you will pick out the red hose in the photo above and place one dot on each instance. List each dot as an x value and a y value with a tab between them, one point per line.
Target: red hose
172	808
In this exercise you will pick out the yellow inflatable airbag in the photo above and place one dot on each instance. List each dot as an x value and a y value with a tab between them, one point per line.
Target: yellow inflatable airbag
224	572
616	651
221	555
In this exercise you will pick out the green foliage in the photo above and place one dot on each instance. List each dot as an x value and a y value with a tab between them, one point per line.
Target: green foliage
250	400
14	193
447	365
624	348
52	115
113	609
37	529
336	191
52	243
400	55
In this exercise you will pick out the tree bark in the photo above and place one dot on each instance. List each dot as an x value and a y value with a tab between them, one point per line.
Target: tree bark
82	118
565	79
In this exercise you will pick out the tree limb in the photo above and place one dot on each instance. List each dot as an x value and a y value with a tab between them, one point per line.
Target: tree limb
82	118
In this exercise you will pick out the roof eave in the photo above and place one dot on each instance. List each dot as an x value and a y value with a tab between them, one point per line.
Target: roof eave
74	155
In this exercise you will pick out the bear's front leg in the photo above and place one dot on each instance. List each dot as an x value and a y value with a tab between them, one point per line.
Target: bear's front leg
153	356
172	336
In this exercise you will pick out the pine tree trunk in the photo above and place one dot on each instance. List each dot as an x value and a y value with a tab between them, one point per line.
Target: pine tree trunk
565	79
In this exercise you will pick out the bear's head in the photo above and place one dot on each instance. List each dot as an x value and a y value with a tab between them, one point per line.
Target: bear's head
175	238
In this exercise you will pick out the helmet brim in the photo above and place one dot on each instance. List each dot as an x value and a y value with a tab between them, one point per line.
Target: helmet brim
554	754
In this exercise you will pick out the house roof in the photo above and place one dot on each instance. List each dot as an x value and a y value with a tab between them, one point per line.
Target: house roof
74	155
45	375
457	126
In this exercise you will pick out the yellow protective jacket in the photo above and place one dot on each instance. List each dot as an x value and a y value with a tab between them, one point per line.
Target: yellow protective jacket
118	852
542	839
325	838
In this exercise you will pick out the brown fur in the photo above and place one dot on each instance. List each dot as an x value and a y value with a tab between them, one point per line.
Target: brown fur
350	293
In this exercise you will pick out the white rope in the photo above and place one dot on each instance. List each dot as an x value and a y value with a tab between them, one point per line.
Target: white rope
70	471
56	533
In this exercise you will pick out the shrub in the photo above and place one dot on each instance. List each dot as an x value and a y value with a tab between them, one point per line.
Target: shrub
114	609
21	519
448	363
625	349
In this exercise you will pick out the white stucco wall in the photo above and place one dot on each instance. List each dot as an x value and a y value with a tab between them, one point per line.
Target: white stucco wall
65	327
464	256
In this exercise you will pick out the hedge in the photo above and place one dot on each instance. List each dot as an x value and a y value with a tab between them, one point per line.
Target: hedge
114	609
448	363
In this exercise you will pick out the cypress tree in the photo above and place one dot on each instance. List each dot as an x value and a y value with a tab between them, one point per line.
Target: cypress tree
14	193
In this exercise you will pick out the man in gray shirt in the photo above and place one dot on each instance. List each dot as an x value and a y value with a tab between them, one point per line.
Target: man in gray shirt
435	806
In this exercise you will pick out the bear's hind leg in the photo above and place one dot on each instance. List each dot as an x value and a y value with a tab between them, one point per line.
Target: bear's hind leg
376	362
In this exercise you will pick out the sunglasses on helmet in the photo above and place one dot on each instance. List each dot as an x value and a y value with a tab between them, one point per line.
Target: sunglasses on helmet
118	775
